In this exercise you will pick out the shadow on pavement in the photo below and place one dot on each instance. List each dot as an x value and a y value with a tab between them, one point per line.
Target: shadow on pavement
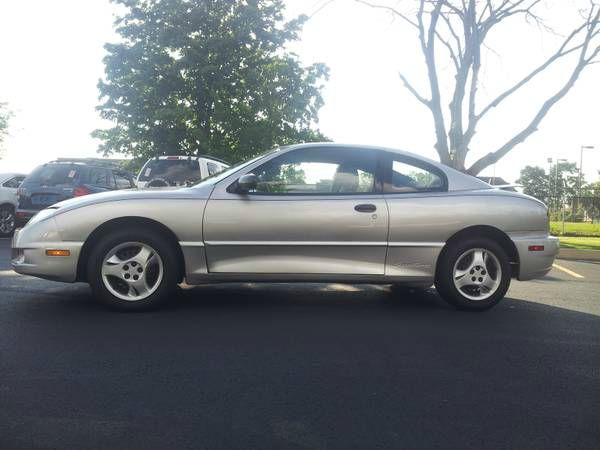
296	366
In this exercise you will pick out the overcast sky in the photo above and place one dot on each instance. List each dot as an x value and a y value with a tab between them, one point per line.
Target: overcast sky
52	53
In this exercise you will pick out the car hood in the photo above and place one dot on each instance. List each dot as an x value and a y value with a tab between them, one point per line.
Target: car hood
134	194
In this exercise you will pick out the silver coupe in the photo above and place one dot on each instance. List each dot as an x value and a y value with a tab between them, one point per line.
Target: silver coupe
302	213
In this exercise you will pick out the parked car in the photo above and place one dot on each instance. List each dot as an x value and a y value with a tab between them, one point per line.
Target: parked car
64	179
165	171
9	183
309	213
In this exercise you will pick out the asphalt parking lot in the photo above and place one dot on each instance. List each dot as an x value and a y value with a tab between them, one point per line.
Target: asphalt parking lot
301	366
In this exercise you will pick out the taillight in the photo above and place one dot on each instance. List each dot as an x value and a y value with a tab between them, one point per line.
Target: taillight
80	191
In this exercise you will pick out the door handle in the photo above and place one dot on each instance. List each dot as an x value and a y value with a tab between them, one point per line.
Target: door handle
366	208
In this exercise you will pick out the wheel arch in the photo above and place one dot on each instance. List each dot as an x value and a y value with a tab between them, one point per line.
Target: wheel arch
130	221
490	232
9	204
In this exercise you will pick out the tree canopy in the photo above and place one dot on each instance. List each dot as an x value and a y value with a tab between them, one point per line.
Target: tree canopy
206	77
553	188
455	33
5	116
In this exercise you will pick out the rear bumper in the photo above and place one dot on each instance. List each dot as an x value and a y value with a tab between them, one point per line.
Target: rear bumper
29	256
535	264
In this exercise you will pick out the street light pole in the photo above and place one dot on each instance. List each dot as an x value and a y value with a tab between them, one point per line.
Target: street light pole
559	197
583	147
550	182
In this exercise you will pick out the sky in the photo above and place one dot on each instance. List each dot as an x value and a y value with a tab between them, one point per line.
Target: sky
52	52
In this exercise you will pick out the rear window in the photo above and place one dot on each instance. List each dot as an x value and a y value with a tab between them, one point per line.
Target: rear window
174	170
213	168
55	175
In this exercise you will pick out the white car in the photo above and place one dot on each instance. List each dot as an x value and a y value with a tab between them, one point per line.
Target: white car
9	183
165	171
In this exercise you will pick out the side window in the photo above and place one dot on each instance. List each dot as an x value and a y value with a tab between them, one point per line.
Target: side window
101	178
213	168
319	171
123	181
409	177
14	183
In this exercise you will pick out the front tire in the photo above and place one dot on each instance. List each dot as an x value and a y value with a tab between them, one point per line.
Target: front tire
474	274
133	271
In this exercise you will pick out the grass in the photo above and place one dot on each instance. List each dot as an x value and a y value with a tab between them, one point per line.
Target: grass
575	229
580	243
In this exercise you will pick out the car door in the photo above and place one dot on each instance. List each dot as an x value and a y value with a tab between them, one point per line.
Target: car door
313	211
420	215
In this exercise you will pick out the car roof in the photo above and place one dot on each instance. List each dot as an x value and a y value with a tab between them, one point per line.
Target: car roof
189	158
91	164
8	175
359	147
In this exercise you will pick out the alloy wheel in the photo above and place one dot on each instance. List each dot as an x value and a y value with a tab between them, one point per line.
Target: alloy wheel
132	271
477	274
7	221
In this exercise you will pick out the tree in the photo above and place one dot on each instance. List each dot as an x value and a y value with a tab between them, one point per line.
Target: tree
557	188
5	116
461	27
591	200
206	77
535	182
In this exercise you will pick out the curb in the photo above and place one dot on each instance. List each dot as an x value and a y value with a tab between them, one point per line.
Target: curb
579	255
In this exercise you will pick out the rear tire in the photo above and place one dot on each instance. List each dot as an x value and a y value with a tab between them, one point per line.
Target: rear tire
474	274
133	270
7	221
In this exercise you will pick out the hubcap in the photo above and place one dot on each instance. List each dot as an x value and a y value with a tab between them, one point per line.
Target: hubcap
132	271
477	274
7	221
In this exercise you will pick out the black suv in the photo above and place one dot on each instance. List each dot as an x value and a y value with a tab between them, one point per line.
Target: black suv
67	178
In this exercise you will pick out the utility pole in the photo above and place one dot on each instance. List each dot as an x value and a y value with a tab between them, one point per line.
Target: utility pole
558	196
550	190
583	147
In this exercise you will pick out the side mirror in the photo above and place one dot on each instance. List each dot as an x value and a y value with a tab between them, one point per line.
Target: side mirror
246	183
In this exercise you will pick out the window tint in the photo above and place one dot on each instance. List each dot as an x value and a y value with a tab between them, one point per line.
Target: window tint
101	178
319	171
407	177
14	183
55	175
213	168
172	170
123	180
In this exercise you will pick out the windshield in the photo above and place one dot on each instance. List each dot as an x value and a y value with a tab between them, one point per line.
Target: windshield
55	175
224	174
173	170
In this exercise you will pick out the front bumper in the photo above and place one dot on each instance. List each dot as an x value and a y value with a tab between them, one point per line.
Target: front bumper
535	264
29	257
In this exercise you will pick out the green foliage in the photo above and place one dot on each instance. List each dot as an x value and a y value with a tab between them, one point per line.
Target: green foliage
206	77
535	182
575	229
580	243
5	116
554	189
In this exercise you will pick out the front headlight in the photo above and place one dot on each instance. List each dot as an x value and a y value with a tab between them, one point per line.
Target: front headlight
42	215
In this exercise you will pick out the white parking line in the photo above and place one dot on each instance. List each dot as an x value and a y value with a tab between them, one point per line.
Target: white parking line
567	271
